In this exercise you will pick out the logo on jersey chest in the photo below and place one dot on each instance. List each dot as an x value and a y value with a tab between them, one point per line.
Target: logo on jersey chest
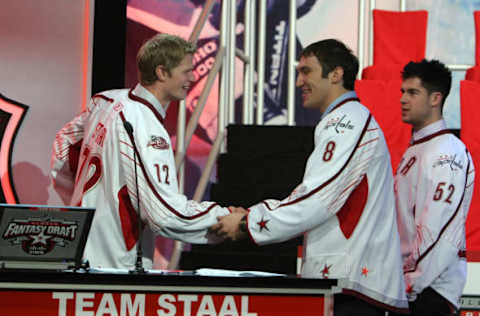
446	160
158	142
340	124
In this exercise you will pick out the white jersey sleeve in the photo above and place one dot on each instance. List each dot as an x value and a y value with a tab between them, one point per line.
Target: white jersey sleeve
163	208
66	151
65	154
330	176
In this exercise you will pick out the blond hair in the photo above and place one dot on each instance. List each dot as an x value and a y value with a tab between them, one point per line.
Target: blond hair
162	49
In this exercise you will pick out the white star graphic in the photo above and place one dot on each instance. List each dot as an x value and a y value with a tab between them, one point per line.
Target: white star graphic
40	238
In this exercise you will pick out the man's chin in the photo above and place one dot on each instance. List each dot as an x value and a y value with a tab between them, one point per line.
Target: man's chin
177	98
309	105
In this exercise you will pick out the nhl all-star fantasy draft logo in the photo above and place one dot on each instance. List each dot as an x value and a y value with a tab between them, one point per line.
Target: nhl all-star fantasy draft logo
39	236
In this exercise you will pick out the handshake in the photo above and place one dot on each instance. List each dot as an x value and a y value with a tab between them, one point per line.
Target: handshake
232	226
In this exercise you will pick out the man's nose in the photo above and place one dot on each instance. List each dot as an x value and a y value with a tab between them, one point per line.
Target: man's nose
299	81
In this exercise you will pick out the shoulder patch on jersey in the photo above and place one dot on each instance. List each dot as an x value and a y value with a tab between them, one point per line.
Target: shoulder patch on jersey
448	160
340	124
158	142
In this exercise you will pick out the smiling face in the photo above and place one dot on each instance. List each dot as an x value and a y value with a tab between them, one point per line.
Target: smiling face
178	82
419	107
316	90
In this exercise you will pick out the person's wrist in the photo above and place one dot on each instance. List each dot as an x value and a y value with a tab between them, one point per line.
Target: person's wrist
243	224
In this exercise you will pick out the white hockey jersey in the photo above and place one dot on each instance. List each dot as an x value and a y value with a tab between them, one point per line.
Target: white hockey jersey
111	162
434	186
346	207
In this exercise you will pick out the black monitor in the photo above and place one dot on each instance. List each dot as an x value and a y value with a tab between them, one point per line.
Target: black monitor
42	236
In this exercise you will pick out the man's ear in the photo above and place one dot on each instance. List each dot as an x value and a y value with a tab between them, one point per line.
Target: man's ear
336	75
436	99
161	72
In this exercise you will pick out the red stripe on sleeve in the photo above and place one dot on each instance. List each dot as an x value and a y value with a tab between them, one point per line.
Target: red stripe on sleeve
128	218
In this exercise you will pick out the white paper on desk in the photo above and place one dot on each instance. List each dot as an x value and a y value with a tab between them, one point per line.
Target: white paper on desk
127	271
109	270
233	273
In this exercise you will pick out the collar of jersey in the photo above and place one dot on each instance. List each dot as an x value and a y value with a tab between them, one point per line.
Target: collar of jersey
142	95
430	131
344	98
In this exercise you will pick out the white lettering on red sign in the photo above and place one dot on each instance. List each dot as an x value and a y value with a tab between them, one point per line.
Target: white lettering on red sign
84	301
169	304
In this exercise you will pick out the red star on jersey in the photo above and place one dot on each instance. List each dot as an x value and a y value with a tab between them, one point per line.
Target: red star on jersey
409	289
365	271
326	271
263	224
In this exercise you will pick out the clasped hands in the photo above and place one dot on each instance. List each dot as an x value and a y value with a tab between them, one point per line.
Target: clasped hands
232	226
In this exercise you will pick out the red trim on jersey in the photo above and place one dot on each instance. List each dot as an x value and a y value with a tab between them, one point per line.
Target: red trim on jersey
128	218
369	141
423	255
74	155
427	138
320	187
266	205
374	302
350	213
145	102
343	102
152	187
101	96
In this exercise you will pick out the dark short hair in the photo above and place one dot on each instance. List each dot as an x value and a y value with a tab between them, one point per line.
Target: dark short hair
332	53
434	76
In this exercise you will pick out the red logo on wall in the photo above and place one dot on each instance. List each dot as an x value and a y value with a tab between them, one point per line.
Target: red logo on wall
11	117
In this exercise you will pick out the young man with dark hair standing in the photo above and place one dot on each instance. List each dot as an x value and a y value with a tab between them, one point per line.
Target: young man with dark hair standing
345	204
433	188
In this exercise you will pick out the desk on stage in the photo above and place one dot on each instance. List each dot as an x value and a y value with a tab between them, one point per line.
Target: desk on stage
92	294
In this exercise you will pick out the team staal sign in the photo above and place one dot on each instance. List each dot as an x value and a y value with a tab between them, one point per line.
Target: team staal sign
63	303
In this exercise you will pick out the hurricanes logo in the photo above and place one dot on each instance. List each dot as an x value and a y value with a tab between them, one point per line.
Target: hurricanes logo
39	236
158	142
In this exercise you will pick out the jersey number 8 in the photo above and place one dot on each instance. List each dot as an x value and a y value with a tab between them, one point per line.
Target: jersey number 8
328	154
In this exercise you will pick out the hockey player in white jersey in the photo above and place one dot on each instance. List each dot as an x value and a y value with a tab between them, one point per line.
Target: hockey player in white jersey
345	204
433	187
126	158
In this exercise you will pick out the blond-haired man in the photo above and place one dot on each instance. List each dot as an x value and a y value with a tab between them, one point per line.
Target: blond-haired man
126	158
